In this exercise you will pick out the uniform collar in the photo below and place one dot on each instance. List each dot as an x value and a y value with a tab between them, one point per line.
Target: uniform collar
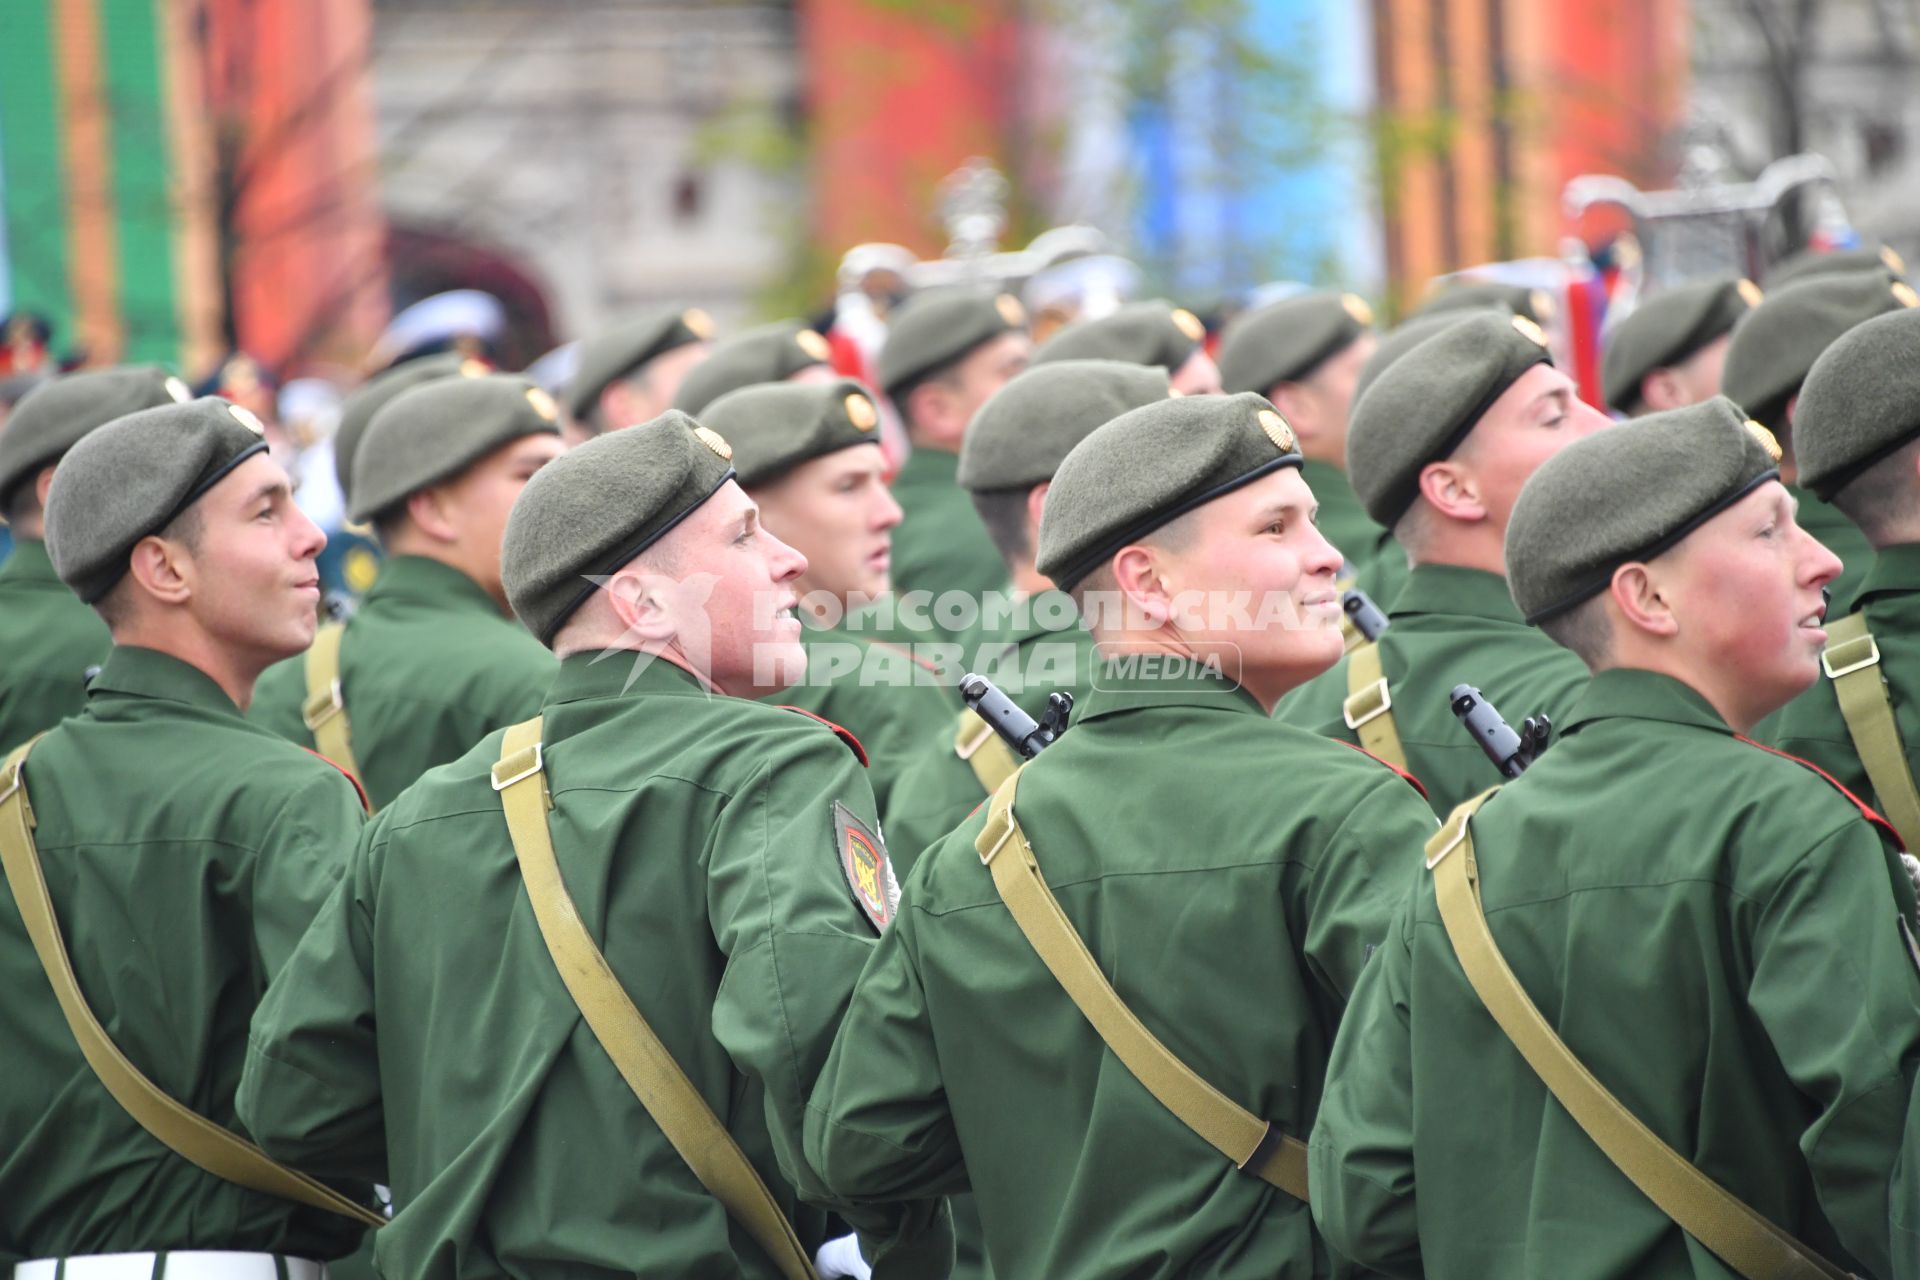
29	562
1895	571
585	676
1632	694
149	673
1449	589
1157	681
429	581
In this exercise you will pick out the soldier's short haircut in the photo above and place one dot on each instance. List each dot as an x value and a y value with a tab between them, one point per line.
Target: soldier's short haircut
1004	513
1585	629
185	528
1881	499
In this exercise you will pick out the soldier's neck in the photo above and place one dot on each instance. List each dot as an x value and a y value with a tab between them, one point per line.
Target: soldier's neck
234	669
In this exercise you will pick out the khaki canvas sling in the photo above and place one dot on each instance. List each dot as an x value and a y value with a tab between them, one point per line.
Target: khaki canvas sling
217	1150
324	711
1368	709
648	1068
1254	1145
1852	661
985	751
1701	1207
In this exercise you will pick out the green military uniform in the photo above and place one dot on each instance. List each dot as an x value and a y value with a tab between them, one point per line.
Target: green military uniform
962	1063
1842	537
1046	652
940	545
1751	924
699	837
428	666
50	640
1345	522
1448	626
186	851
423	1034
1652	873
877	691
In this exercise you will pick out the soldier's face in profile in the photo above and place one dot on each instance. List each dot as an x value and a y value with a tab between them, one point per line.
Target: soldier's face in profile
1254	585
1535	418
837	511
1744	591
249	568
475	504
745	606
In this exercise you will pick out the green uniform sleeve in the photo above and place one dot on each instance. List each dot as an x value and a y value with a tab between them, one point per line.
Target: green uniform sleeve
784	914
1360	880
278	699
310	1093
1835	986
879	1128
307	849
1361	1150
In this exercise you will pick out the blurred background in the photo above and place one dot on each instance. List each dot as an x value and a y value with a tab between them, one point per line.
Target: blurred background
256	189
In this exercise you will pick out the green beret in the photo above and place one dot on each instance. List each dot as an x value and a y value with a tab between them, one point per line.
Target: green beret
51	418
1021	433
936	328
614	354
1410	334
436	430
1629	494
1860	403
776	426
358	410
771	353
597	506
1778	341
1666	329
131	477
1420	409
1287	340
1473	295
1157	334
1150	466
1811	263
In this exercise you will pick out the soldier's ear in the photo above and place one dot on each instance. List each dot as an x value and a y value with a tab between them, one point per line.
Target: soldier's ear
1036	503
1636	592
643	603
158	569
1451	489
1143	585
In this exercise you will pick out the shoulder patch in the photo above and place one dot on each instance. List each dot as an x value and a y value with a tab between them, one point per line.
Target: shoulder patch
864	861
840	731
1412	781
1867	811
346	773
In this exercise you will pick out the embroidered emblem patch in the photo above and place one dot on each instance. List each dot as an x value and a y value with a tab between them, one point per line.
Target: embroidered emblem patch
864	861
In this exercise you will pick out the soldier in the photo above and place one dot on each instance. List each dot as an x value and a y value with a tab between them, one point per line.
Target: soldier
1305	354
722	866
1810	264
1716	933
809	456
963	1062
1668	351
50	640
1439	449
1773	348
1383	576
946	352
1157	334
1857	430
432	661
630	373
1033	643
783	352
181	851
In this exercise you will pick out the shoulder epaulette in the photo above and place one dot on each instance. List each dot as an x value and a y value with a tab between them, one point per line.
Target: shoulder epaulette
1412	781
1867	811
365	804
840	731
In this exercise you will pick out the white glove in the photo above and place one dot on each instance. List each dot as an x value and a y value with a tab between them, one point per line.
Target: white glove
842	1258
